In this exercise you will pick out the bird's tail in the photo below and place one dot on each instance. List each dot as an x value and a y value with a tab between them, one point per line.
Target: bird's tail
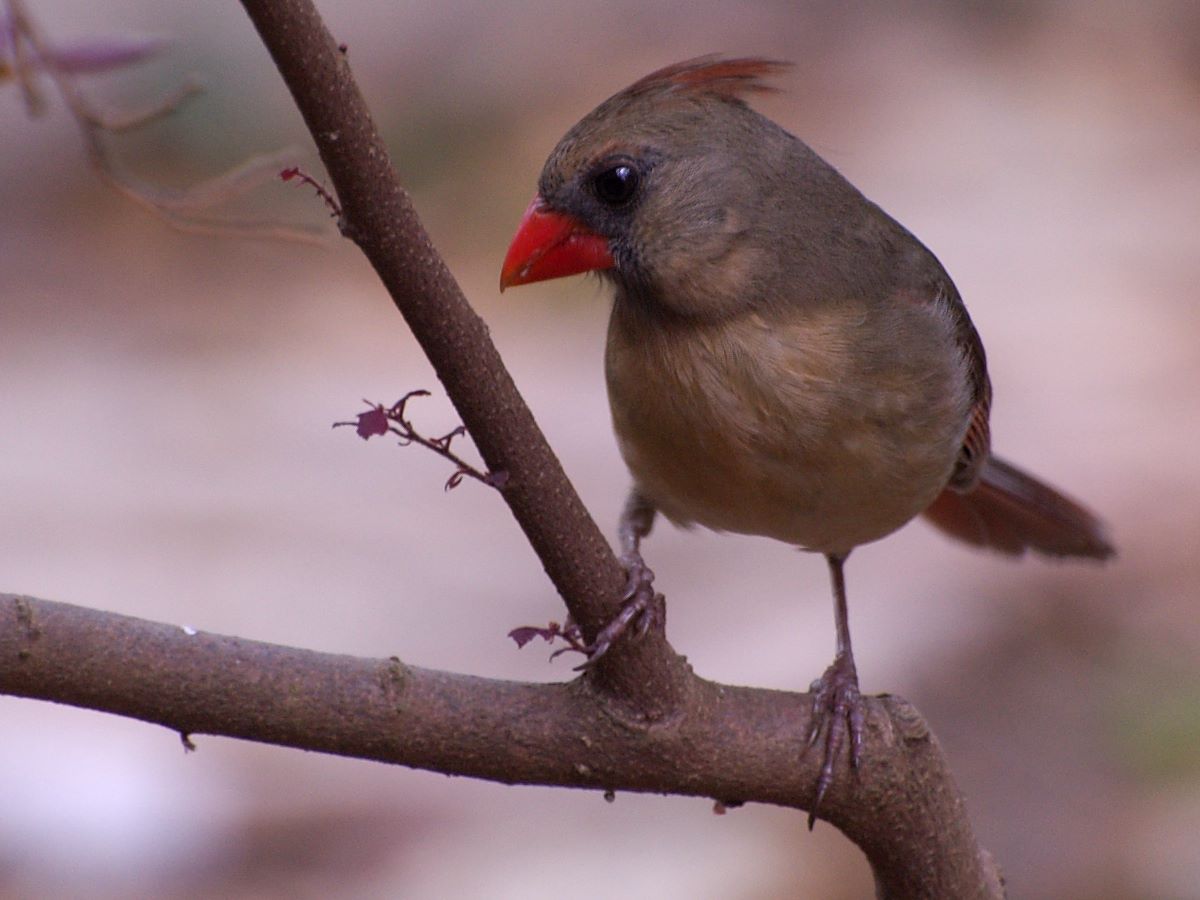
1011	511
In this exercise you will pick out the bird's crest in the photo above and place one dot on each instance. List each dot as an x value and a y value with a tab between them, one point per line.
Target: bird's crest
729	78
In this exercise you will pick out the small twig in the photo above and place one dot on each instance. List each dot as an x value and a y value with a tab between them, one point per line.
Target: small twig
295	172
18	29
380	420
184	210
568	632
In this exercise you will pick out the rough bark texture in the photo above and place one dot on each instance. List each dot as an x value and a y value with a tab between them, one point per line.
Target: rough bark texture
733	744
638	721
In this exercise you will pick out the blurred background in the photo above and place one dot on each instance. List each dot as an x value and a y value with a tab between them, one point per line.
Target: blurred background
166	448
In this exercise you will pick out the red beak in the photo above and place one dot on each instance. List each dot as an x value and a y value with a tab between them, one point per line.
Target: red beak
552	245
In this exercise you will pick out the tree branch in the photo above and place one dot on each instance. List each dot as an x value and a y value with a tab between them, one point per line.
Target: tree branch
378	215
734	744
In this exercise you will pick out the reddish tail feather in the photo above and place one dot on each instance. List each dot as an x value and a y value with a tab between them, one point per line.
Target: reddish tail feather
1012	512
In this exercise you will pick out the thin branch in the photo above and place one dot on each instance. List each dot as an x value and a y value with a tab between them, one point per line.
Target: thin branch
378	215
380	420
298	174
733	745
185	210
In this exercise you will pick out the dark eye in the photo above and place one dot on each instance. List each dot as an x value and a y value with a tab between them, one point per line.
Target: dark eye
617	185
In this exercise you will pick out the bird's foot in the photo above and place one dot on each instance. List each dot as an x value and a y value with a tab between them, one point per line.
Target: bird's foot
838	713
641	608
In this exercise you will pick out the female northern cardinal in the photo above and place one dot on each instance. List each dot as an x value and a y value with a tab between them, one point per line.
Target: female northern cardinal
784	358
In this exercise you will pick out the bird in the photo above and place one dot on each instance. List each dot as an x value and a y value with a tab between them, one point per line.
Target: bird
783	358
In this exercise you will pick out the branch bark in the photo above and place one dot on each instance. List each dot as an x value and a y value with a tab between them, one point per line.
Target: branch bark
638	721
734	744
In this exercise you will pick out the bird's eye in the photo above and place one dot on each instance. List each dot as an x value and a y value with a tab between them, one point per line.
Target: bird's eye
616	186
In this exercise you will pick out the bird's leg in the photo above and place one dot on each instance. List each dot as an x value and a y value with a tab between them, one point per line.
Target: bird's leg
639	603
637	518
837	704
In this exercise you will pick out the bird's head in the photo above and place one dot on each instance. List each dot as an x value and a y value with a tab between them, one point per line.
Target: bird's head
667	188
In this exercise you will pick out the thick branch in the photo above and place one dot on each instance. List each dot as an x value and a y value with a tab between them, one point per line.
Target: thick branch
733	744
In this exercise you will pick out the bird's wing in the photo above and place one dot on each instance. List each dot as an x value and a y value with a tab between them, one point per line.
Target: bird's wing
976	447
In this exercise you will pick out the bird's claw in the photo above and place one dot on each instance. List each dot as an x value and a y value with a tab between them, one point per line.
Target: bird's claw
639	577
838	711
641	608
